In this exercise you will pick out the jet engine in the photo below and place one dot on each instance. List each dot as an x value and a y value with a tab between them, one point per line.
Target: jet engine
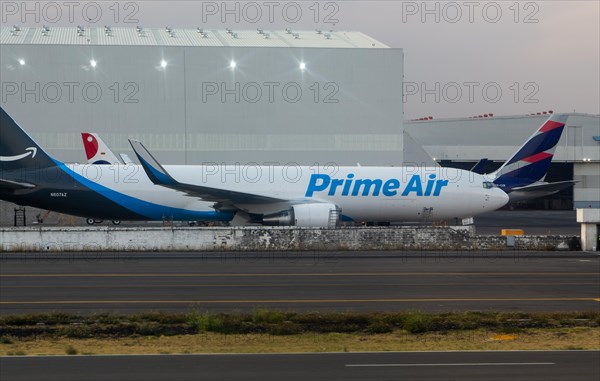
320	215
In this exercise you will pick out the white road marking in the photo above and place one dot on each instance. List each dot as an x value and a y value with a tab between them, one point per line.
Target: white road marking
454	364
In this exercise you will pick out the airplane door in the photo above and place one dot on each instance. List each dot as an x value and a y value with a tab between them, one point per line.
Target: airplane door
574	142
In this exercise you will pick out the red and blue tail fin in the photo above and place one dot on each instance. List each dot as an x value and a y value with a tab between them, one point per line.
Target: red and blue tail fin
96	151
531	162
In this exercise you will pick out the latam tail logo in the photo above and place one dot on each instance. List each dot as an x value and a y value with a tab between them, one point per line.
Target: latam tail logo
29	151
531	162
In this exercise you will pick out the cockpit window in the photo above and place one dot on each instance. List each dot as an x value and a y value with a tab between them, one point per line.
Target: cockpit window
488	185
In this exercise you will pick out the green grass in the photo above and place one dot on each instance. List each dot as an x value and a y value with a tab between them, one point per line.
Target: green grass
279	323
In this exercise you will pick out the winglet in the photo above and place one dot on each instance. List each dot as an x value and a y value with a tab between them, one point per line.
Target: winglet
157	174
225	199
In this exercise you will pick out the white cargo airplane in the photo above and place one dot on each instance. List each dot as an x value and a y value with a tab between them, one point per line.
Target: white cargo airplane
277	195
313	197
367	193
524	183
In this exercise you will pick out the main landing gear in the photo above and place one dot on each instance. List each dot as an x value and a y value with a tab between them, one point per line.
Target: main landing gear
91	221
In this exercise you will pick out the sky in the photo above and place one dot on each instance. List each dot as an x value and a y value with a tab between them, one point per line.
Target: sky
461	58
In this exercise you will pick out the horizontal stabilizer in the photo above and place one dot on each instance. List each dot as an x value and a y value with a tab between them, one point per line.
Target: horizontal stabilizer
159	176
547	187
14	185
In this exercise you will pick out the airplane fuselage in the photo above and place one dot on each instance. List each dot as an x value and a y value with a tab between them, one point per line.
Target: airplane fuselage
124	192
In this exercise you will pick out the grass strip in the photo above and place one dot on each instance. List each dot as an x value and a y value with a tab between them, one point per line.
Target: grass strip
208	342
281	323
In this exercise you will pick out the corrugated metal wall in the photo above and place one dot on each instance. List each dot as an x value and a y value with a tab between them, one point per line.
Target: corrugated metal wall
345	107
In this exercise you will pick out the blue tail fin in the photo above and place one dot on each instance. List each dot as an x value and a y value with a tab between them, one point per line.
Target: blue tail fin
531	162
17	148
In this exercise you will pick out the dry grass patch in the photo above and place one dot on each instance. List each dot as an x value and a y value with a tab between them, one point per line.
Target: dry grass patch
480	339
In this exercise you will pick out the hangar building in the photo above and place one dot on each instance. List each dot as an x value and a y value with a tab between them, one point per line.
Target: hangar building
197	96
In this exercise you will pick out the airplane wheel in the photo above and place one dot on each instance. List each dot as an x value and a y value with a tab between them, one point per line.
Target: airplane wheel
116	222
90	221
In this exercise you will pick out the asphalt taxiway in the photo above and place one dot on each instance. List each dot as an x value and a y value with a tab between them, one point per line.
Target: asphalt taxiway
300	281
535	222
465	366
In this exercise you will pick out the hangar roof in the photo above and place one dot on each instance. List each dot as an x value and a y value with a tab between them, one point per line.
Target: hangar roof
491	117
139	36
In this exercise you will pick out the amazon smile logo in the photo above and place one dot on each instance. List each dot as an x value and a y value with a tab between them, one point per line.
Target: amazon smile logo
28	151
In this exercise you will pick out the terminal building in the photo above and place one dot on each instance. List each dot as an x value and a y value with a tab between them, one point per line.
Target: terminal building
198	96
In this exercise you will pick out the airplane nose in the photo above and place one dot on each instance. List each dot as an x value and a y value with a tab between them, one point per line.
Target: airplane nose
498	198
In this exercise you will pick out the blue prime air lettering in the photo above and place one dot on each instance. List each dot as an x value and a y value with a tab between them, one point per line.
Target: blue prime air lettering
373	187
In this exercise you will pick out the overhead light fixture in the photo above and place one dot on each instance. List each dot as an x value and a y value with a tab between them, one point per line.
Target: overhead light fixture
232	64
163	64
21	61
93	63
302	66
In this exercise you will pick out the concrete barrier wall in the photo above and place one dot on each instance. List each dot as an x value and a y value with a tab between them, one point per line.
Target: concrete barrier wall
90	239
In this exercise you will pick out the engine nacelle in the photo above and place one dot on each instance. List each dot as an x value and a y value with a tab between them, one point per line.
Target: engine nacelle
320	215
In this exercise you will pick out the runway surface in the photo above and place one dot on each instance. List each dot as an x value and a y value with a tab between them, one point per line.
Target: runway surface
343	281
491	366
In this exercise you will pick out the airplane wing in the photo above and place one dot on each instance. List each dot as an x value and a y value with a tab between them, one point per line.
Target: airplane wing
14	185
547	187
224	198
